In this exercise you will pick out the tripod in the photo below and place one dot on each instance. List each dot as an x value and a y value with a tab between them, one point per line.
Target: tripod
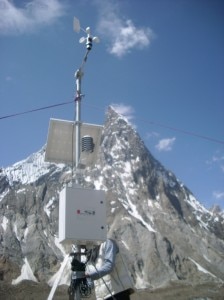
80	286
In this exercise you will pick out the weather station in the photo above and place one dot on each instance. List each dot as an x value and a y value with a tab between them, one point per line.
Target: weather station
82	211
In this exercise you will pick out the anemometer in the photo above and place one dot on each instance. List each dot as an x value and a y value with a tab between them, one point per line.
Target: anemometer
88	39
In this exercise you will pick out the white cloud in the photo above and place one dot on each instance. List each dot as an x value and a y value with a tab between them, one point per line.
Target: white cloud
217	160
165	144
8	78
218	195
121	33
152	134
35	13
126	111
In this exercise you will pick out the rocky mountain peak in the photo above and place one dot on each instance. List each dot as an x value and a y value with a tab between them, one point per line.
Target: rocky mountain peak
166	236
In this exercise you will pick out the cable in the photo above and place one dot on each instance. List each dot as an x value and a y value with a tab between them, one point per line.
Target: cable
36	109
184	131
108	289
139	119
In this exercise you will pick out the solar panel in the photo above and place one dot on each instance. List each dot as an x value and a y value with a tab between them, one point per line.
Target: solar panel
61	142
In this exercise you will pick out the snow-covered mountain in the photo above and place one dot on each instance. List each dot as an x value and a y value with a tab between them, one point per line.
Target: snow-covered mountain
168	238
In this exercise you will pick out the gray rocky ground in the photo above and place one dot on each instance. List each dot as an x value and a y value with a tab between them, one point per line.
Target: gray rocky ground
33	291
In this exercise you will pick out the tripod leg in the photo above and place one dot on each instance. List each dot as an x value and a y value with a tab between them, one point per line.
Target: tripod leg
74	293
77	294
56	282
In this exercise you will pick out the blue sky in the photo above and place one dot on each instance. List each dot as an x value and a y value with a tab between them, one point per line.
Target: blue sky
161	62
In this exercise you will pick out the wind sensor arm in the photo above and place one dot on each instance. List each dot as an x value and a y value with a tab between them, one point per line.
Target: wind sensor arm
89	42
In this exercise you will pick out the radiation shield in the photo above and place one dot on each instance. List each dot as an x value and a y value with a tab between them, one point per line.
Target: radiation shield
62	138
82	216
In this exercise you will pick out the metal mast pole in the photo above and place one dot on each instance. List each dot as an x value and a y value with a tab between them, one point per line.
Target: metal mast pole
78	76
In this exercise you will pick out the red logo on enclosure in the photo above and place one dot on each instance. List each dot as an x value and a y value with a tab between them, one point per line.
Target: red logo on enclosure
86	212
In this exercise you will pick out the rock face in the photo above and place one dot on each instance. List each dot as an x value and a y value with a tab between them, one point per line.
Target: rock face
166	236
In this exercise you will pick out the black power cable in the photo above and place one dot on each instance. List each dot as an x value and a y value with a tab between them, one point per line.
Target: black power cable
34	110
139	119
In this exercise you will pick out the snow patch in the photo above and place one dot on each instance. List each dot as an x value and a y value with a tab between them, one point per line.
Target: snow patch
4	223
201	269
26	273
88	178
196	205
26	233
126	218
202	224
127	167
98	183
125	245
205	257
136	214
16	231
113	210
140	282
150	202
169	179
48	205
21	191
29	170
3	194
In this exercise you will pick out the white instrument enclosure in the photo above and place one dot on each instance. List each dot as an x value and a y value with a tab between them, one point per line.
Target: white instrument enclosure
82	216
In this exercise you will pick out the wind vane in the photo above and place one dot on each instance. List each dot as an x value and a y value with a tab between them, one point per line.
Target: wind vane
88	39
